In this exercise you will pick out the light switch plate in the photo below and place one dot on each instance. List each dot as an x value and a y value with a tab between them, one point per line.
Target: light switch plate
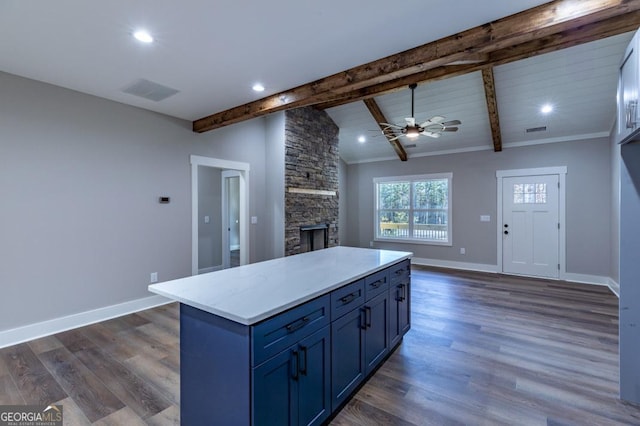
254	220
485	218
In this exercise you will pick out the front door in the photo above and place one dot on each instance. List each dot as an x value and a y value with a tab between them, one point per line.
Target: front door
530	228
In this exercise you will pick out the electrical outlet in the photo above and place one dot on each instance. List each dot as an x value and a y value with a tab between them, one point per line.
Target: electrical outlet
153	278
463	250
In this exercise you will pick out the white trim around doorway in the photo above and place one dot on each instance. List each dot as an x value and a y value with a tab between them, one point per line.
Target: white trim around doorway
243	169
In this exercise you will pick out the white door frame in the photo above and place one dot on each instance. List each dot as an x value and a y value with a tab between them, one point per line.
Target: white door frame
561	171
243	170
224	204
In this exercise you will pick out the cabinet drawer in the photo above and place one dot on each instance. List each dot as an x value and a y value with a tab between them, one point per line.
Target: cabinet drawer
275	334
347	298
376	284
399	272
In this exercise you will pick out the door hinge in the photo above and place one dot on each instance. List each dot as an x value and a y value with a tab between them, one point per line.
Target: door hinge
558	266
558	185
558	225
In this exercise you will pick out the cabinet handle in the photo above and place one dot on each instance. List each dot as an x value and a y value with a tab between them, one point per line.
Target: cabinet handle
404	292
303	367
295	362
376	284
367	315
400	293
298	324
630	112
349	298
363	322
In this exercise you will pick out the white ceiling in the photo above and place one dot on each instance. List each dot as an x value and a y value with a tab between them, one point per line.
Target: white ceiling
213	52
579	81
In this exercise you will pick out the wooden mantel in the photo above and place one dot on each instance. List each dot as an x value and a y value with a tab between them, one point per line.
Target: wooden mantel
548	27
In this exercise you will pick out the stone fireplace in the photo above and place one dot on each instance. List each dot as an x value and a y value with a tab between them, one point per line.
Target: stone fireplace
311	180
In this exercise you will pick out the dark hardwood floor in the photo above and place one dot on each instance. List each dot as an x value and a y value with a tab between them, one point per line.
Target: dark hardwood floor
484	349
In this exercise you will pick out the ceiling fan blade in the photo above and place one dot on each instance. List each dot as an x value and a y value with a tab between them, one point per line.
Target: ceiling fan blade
451	123
393	138
392	126
411	121
450	129
433	120
431	134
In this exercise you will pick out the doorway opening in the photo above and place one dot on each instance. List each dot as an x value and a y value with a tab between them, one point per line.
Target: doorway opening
220	214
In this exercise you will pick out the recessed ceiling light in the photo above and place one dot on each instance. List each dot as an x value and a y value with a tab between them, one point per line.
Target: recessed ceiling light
362	139
143	36
258	87
546	108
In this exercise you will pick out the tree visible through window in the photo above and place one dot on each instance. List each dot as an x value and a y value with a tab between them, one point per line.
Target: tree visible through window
414	208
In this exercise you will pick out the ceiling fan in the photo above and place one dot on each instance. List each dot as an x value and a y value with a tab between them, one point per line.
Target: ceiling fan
433	127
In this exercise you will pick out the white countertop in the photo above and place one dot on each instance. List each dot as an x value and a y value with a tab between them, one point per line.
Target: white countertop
250	293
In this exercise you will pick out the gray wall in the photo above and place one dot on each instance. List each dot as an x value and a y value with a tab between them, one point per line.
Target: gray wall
342	202
474	194
275	148
80	223
615	211
209	203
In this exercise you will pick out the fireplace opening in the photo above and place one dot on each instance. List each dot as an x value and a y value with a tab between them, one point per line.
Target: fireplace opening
314	237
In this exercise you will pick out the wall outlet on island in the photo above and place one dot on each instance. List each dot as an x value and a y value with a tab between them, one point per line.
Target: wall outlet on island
153	277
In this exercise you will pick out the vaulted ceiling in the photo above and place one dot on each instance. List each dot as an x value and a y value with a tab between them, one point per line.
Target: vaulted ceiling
350	58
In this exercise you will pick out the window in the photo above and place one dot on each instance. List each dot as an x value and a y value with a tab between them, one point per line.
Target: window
414	209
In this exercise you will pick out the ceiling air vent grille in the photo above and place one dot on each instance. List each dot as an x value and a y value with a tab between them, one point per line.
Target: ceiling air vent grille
536	129
410	145
149	90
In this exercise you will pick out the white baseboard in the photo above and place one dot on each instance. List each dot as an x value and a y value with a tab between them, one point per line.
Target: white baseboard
586	279
57	325
614	286
480	267
211	269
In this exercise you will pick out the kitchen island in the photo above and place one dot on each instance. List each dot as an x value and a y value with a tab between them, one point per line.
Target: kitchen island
287	341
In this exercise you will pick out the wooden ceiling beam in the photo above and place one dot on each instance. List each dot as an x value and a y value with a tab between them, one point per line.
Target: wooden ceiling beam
492	107
378	115
542	21
552	43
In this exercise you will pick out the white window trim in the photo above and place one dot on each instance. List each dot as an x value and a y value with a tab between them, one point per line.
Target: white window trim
377	180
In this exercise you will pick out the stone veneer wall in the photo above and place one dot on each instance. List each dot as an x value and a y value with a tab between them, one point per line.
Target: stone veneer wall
311	162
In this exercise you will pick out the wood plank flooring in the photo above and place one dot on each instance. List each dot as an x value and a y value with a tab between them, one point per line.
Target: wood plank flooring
484	349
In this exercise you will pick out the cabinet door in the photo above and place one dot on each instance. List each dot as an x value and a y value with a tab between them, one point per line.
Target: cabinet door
404	308
314	378
347	355
628	92
395	293
376	317
275	390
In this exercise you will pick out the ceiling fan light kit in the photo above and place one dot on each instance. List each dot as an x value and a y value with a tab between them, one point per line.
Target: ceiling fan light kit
433	127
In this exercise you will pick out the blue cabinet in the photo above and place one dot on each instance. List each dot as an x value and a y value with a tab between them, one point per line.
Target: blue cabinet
376	324
292	388
399	301
347	355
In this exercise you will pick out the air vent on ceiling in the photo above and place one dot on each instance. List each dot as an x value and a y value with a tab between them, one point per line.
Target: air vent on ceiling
410	145
536	129
149	90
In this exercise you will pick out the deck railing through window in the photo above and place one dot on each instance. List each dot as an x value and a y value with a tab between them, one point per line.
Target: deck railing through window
401	230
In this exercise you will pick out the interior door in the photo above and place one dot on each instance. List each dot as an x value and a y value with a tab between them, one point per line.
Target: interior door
530	229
